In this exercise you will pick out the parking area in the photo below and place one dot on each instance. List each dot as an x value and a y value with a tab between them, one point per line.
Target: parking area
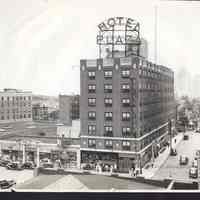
45	132
17	176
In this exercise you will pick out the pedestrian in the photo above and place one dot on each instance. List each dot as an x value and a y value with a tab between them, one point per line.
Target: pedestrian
111	169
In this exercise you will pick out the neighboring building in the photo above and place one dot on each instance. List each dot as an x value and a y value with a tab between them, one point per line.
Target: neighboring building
54	115
69	140
68	108
15	105
40	112
125	107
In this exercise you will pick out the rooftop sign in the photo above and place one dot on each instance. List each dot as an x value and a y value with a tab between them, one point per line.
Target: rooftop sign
118	31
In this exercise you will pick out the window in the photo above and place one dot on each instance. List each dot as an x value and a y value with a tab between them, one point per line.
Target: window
108	115
2	98
29	115
126	116
108	74
108	88
125	73
8	98
91	102
91	74
108	144
108	131
92	115
126	131
126	145
126	102
91	143
108	102
92	129
125	87
91	88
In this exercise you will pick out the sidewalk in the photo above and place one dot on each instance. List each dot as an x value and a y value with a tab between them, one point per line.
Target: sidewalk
159	161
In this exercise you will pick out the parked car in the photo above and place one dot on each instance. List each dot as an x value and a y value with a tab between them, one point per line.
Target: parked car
88	166
4	184
195	163
197	130
46	163
4	163
29	165
186	137
183	160
14	166
173	152
193	172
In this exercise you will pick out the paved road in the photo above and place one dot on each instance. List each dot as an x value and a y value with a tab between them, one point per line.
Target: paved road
171	168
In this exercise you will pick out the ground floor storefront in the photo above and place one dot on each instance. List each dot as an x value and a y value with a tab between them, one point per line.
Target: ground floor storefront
124	161
37	152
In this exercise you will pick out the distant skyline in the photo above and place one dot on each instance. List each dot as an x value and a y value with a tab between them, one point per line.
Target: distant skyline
40	41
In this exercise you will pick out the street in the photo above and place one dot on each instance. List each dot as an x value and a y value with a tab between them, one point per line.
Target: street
171	168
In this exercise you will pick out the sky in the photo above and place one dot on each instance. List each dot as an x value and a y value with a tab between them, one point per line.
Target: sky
42	41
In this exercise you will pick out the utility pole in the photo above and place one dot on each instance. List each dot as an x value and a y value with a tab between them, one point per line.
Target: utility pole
170	133
155	33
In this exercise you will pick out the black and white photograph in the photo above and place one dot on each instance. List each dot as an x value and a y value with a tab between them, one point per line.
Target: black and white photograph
99	96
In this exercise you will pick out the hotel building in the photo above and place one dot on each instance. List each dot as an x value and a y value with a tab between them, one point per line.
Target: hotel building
125	107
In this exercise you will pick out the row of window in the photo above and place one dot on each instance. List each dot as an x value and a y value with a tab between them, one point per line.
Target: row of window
14	104
108	74
108	102
109	115
16	98
108	130
109	144
125	87
125	73
15	117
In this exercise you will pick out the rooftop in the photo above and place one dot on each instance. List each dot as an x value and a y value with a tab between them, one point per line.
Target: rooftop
58	183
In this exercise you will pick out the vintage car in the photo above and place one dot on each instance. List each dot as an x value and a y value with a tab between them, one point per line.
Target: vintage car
46	163
186	137
183	160
4	184
4	163
29	165
193	172
173	152
14	166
